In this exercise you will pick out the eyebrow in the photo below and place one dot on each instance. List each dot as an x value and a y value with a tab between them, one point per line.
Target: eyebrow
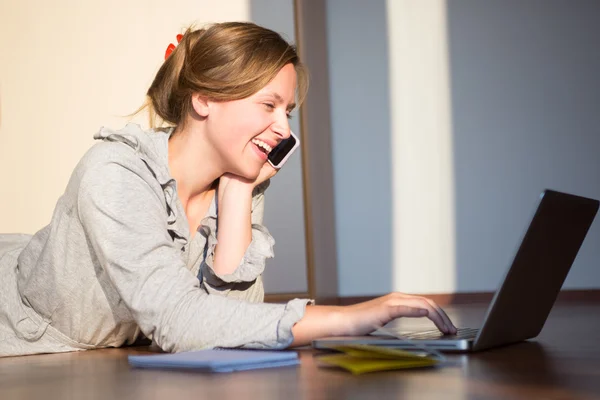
291	106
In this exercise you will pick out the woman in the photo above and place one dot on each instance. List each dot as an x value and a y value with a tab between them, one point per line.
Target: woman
160	232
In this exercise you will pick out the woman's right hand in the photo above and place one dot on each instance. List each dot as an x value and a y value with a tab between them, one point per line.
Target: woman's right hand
364	318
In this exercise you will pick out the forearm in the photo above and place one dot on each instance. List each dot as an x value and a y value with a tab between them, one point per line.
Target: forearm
234	232
318	322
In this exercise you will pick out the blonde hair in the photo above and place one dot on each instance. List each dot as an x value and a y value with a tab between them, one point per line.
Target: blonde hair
223	62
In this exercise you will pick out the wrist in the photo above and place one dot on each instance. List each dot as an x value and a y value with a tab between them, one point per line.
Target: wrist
339	321
235	189
240	186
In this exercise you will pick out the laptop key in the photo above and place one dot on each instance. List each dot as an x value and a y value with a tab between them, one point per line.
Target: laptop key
462	333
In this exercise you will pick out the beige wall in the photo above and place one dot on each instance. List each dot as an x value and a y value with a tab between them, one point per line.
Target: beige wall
68	67
390	90
423	238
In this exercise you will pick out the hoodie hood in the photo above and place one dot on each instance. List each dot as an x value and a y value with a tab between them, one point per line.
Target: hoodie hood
152	146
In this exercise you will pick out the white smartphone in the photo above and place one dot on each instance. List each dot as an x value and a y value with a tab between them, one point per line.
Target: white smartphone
280	153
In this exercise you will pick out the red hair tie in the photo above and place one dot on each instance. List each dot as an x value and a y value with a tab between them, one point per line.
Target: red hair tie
171	46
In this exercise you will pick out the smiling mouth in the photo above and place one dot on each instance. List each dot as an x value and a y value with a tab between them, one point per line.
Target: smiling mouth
265	148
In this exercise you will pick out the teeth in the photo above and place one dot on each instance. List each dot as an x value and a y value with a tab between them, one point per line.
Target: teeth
262	144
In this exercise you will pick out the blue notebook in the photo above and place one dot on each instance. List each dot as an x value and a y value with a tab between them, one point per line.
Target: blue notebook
217	360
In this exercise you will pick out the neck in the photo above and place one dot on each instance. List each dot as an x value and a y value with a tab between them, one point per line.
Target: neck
192	163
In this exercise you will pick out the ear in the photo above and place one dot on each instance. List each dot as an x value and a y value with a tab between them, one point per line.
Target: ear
200	105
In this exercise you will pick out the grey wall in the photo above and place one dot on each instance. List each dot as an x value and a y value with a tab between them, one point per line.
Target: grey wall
357	41
525	97
284	207
526	101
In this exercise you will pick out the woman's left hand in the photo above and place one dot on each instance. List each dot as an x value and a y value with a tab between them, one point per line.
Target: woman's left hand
235	217
267	172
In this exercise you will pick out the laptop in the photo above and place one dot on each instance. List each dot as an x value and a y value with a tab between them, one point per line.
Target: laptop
528	291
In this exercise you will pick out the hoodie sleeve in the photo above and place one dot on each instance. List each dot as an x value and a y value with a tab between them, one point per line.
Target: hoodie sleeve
121	208
246	281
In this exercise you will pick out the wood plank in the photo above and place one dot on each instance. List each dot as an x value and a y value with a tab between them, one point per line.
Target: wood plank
562	363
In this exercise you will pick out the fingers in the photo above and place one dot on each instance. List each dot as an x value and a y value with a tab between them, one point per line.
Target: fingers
403	305
443	324
437	319
270	171
444	316
267	172
407	311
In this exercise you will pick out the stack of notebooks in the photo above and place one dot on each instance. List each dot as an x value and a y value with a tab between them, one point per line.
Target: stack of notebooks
360	359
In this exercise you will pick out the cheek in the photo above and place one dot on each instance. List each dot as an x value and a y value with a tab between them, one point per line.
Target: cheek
238	132
226	131
233	141
248	118
234	126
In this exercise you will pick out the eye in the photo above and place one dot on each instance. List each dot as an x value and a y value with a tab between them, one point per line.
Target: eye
289	115
269	106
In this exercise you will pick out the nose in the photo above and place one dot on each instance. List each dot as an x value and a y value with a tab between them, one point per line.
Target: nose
281	127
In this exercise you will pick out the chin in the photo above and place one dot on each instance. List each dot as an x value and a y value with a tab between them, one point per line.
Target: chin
249	173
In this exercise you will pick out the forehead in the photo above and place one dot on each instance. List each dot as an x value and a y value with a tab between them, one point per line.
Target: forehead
283	86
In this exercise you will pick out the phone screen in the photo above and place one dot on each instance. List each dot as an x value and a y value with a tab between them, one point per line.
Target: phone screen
277	155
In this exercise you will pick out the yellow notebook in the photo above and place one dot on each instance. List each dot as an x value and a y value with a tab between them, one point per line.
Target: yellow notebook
361	358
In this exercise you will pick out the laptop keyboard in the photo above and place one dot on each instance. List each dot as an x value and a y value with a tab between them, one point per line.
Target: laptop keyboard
462	333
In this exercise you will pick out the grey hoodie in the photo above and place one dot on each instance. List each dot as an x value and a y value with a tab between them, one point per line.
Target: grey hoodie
116	259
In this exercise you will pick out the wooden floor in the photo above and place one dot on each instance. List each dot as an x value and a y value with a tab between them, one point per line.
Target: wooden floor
563	363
